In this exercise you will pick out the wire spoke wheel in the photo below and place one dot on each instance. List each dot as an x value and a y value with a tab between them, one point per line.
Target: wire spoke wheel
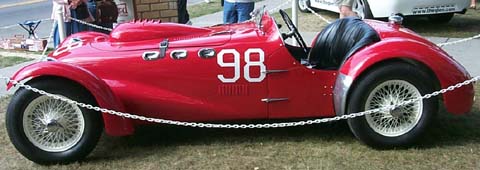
391	85
53	125
399	120
51	131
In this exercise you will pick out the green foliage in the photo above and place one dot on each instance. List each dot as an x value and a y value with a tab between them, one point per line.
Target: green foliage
11	60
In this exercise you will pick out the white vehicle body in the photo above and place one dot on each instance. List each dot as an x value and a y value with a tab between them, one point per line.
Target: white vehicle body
385	8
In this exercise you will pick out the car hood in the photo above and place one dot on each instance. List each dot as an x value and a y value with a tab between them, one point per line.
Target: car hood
148	34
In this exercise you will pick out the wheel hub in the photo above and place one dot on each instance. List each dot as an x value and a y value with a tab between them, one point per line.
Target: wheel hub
53	126
397	112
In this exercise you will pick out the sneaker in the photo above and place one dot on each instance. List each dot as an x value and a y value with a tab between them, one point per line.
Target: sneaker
207	1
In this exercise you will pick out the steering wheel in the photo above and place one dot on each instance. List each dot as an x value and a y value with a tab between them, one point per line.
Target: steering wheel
293	31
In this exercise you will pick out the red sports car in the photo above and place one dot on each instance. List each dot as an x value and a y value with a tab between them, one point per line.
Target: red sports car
232	72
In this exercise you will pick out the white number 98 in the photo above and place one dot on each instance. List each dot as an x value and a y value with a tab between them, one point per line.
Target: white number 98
246	69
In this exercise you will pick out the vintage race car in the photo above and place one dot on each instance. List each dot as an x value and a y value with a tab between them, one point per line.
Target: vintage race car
235	72
435	10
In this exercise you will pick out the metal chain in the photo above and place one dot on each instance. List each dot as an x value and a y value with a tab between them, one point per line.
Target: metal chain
241	126
90	24
459	41
318	15
49	39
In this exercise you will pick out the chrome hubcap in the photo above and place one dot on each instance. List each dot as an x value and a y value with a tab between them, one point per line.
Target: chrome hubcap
400	120
53	125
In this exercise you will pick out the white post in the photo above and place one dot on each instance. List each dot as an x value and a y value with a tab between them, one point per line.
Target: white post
61	23
295	16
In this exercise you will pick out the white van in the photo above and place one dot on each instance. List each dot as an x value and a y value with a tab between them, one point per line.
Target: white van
435	10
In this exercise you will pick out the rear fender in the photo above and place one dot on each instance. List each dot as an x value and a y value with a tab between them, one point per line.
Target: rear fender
114	125
446	71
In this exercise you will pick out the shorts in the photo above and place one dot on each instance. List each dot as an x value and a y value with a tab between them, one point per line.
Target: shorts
345	3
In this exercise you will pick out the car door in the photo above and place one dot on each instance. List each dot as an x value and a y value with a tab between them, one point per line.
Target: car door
295	91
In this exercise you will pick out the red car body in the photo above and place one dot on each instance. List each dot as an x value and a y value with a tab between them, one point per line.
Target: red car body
190	88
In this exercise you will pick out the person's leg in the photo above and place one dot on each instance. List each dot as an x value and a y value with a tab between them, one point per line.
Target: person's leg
56	37
183	16
229	13
92	8
69	28
473	4
244	10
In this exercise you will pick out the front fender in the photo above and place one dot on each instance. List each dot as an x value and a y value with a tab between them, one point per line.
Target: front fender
114	125
445	69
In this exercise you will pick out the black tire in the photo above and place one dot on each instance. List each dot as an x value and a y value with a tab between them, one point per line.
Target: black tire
375	79
364	7
303	4
82	144
440	18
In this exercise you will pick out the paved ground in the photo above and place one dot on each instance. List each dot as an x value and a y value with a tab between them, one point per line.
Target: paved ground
466	53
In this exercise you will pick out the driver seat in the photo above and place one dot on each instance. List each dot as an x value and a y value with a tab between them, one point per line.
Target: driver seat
340	40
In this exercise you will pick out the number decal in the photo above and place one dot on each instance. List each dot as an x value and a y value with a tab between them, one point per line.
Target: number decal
246	69
68	47
235	65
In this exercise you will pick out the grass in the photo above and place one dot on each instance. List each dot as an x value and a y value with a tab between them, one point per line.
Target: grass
204	8
6	61
453	142
460	26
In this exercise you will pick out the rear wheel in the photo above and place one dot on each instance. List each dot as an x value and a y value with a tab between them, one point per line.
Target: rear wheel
391	85
440	18
362	8
50	131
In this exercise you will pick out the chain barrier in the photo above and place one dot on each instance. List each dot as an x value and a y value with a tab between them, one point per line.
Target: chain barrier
240	126
318	15
90	24
459	41
49	39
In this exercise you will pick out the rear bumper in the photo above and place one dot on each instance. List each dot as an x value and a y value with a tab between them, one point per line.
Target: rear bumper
382	8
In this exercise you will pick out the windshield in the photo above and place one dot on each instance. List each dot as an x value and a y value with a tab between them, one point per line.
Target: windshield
257	16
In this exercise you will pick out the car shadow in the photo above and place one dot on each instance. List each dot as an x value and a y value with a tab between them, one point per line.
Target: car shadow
447	130
154	139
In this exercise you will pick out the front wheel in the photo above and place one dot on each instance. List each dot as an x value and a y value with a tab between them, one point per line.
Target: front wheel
50	131
390	85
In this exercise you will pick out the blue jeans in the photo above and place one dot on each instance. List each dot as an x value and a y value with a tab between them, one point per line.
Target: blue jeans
237	12
92	8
